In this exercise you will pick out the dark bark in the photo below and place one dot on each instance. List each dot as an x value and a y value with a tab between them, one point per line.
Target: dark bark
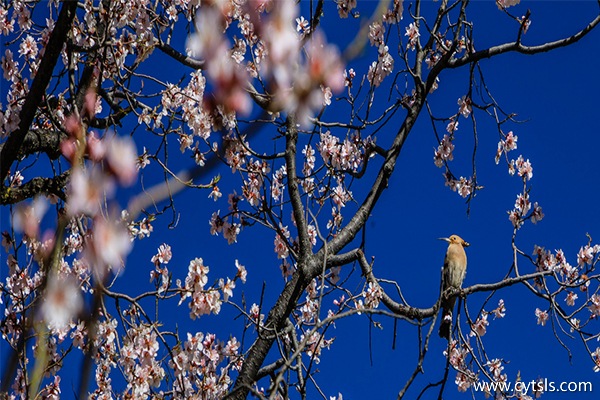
13	144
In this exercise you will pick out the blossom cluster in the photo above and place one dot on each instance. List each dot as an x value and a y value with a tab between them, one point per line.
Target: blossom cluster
445	151
207	300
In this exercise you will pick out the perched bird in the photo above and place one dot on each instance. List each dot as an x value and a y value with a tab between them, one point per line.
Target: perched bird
453	274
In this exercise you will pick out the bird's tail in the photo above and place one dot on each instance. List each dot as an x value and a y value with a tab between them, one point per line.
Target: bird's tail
446	322
445	329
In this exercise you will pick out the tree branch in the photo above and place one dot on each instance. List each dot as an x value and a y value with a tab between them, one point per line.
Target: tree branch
34	187
291	139
520	48
40	82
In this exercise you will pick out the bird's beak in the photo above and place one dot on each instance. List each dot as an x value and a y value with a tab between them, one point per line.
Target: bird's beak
445	239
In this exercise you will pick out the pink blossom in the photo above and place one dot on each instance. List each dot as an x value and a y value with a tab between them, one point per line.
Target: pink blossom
515	218
241	271
376	32
510	143
209	37
570	299
185	142
9	66
287	270
345	7
230	232
500	311
585	255
522	204
349	75
16	180
28	48
444	151
91	100
595	305
537	214
215	193
281	246
412	31
302	26
6	24
525	170
372	295
596	358
542	316
382	67
452	126
495	367
465	108
479	328
163	256
227	288
464	187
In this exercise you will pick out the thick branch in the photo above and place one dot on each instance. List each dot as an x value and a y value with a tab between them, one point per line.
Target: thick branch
276	320
359	219
34	187
40	141
291	140
38	87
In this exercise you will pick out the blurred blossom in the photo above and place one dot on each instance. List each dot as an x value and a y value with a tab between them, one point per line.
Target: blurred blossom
121	157
281	39
506	3
209	33
96	147
108	246
27	218
62	301
325	63
87	190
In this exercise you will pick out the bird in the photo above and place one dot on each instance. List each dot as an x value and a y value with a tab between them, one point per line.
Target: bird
453	274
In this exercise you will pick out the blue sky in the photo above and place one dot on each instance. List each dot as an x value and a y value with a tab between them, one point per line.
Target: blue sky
555	94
